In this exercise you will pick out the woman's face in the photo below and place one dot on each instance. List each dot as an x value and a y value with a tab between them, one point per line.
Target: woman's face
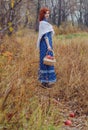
47	15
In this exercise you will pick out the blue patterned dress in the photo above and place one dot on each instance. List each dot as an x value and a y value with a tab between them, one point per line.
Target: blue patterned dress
46	72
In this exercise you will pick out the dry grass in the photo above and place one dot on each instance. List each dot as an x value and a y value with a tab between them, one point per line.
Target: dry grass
22	98
72	71
68	28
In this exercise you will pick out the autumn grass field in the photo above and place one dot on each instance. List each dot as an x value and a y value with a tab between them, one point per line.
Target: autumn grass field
24	105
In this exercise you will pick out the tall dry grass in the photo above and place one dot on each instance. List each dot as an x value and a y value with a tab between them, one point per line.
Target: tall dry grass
69	28
23	102
72	71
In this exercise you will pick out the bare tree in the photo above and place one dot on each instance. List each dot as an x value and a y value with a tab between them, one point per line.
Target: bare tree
85	12
37	20
8	16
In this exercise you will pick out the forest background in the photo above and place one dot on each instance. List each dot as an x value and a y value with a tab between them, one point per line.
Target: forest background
24	105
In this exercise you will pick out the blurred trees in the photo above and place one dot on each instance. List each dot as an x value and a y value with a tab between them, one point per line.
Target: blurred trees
75	11
15	13
8	14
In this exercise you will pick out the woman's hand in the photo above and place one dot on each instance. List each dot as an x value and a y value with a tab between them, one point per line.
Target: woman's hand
49	48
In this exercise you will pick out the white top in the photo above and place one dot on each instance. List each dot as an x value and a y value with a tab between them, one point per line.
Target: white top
44	27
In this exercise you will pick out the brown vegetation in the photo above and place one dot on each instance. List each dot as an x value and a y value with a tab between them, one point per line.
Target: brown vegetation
21	93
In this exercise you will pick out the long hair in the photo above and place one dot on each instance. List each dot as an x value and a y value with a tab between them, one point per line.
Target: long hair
42	13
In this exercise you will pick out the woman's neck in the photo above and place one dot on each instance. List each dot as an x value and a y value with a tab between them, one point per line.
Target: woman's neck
45	19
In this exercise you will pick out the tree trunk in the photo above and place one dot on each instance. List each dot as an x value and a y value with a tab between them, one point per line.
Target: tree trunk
59	12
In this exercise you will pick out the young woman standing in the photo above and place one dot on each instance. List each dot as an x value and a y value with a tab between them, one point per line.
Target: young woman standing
47	74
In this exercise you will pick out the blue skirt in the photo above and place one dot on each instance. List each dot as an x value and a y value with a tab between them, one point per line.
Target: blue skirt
46	73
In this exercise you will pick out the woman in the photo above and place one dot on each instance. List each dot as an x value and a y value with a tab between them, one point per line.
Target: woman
47	74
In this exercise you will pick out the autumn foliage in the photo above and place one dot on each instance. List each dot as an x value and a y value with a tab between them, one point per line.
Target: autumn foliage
22	99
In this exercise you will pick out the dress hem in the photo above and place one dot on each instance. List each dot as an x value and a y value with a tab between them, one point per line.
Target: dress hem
45	81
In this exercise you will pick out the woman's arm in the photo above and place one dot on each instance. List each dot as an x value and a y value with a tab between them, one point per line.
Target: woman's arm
47	42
